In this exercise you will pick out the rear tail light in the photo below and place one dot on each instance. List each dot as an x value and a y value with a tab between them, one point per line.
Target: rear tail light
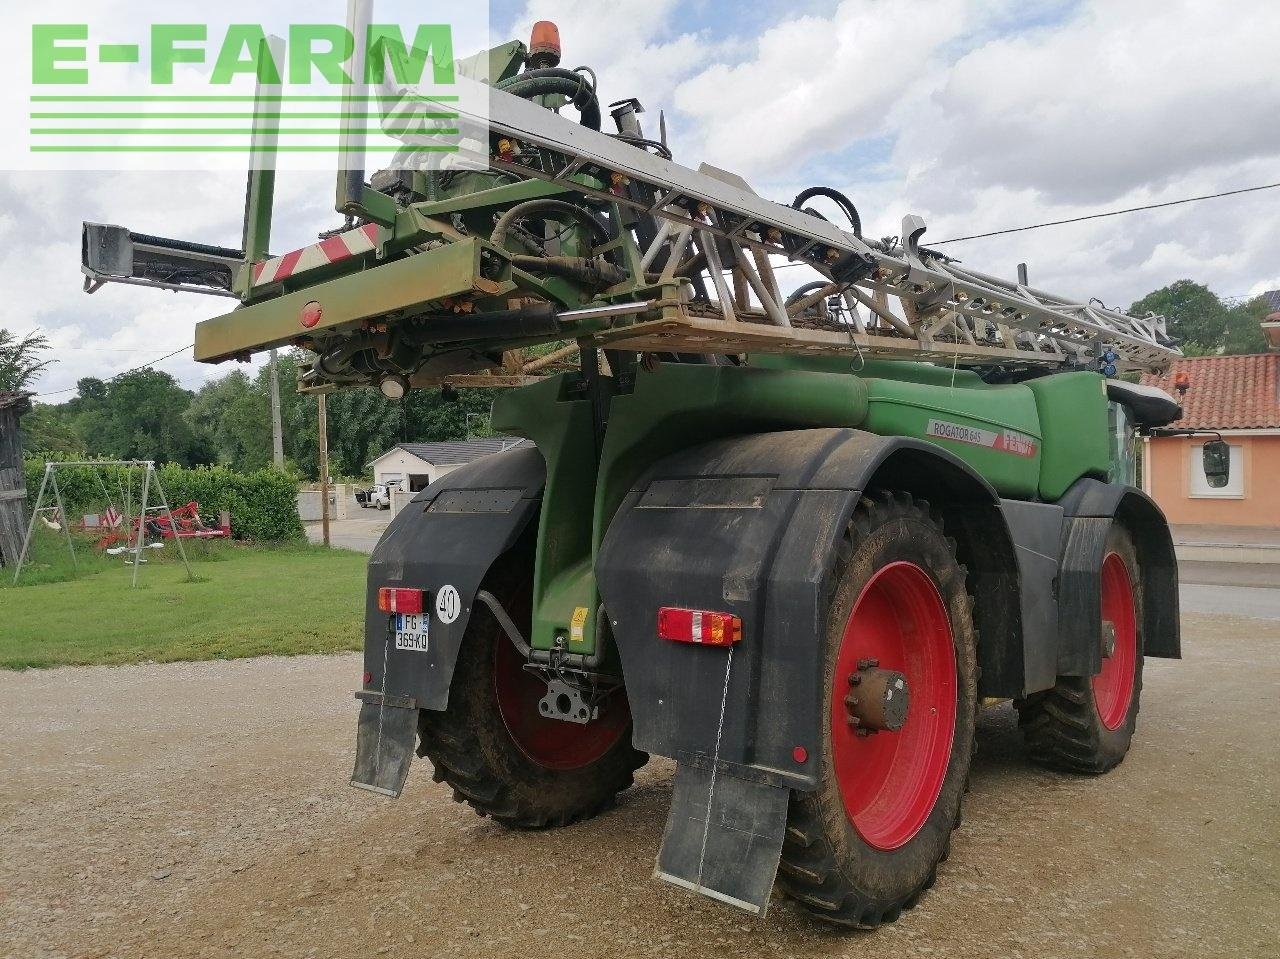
392	600
705	627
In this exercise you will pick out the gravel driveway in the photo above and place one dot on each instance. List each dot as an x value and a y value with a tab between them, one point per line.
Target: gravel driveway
202	810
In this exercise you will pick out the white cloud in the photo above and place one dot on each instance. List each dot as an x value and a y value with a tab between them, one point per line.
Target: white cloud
1123	95
816	84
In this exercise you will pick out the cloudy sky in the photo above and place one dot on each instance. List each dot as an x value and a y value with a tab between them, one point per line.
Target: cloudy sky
976	115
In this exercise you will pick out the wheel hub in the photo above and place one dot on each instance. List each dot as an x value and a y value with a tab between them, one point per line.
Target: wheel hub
877	700
1113	684
890	783
1108	639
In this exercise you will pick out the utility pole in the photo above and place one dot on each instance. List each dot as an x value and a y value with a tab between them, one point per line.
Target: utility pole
277	432
324	467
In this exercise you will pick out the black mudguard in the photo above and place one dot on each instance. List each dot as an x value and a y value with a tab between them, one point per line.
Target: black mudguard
749	526
1090	507
448	536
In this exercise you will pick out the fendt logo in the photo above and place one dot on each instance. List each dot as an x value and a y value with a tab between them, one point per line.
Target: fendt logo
61	54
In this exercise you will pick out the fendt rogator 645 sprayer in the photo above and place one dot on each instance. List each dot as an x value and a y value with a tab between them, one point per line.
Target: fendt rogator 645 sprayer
791	542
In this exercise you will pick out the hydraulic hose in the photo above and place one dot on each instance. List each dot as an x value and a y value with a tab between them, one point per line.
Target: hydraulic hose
555	210
593	273
842	201
553	80
806	290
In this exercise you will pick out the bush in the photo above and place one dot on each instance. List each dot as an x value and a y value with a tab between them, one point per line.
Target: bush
263	505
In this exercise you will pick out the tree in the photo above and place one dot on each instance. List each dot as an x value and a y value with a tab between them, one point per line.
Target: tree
1202	322
1244	329
51	429
233	418
22	360
363	424
139	415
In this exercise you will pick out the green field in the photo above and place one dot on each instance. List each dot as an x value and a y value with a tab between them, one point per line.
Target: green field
243	602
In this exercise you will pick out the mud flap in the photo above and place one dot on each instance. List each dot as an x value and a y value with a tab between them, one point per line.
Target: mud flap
384	744
724	836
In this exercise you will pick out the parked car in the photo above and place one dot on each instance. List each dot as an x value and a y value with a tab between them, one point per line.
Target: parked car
362	498
379	497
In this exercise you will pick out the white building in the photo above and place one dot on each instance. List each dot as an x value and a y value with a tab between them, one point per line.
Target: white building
418	465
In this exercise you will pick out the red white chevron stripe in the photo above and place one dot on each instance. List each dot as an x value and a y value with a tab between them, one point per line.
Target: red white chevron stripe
332	250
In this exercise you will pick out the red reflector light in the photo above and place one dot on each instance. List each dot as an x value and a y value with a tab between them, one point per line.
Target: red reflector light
391	600
368	677
700	626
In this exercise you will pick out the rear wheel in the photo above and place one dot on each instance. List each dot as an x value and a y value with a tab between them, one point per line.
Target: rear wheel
1084	724
498	752
901	681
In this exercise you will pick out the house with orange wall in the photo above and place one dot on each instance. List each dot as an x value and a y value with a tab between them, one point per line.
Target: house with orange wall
1239	397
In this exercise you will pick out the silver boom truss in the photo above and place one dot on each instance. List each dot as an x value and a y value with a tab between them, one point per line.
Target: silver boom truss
946	312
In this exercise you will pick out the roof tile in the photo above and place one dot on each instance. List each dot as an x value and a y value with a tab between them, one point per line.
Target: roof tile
1226	392
464	451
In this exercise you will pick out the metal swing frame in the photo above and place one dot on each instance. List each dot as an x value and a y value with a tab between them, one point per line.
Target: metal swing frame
50	479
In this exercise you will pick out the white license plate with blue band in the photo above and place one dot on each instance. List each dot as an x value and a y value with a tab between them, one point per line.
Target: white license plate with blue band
411	631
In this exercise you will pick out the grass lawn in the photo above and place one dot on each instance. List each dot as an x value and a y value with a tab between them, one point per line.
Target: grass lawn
244	602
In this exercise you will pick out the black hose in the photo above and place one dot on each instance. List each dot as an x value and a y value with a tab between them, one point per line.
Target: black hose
593	273
841	201
541	83
806	290
556	210
661	149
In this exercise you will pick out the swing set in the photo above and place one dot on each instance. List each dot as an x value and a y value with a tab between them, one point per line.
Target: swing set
121	530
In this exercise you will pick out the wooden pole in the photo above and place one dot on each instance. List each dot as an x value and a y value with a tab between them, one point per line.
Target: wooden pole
324	467
277	432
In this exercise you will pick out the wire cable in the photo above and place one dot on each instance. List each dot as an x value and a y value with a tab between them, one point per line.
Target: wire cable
1099	216
136	369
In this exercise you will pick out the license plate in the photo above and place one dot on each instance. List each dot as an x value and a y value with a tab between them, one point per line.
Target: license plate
411	631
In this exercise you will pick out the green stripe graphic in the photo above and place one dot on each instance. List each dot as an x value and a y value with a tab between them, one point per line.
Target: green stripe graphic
235	116
115	148
244	99
179	131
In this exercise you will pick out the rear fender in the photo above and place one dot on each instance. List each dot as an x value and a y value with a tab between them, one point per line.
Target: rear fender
750	526
448	536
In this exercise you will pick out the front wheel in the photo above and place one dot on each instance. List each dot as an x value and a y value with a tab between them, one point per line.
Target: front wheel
1086	724
901	691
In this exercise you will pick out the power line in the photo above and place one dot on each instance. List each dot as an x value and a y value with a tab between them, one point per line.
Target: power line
1099	216
1081	219
104	349
72	389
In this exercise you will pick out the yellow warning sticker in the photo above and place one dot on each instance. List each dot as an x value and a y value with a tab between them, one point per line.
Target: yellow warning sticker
578	625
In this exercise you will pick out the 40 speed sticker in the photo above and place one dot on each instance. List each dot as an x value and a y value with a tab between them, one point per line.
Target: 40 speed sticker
448	604
1006	441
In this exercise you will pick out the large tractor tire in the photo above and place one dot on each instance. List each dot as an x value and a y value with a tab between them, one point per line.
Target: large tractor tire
498	752
1086	725
868	842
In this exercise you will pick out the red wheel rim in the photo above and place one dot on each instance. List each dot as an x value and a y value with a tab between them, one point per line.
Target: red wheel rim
1113	685
890	781
551	743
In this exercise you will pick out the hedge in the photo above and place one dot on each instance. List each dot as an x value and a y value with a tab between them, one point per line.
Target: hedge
263	505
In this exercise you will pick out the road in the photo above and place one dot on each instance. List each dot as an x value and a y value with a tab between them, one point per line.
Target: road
360	533
202	810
